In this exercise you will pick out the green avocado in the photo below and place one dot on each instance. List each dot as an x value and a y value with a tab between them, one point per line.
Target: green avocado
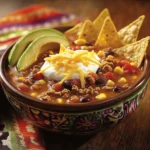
34	49
24	41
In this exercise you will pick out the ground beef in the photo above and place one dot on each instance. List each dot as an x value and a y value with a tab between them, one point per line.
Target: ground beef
126	86
58	93
65	91
66	95
107	87
36	69
107	68
27	81
45	97
75	88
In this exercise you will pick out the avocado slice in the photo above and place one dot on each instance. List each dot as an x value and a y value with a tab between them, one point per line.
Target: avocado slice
24	41
34	49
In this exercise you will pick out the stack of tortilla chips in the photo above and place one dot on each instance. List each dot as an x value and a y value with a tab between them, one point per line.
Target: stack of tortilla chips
103	34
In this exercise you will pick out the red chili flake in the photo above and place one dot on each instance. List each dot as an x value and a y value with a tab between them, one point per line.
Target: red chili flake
38	76
23	87
109	75
57	87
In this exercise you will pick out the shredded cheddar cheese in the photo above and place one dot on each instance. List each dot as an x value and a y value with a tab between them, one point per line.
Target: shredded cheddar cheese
66	63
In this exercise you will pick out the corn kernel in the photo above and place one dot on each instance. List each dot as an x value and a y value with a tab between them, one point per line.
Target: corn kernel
110	57
134	77
110	83
36	86
42	82
84	47
34	94
101	96
122	80
80	41
119	70
133	64
21	78
60	100
51	52
101	53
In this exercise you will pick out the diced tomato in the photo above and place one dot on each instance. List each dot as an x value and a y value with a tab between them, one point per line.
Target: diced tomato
124	62
121	63
57	87
109	75
38	76
76	82
117	62
130	69
23	87
94	75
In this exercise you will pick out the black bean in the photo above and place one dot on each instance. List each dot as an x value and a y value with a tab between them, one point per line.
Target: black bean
100	81
85	99
117	89
110	52
67	84
98	70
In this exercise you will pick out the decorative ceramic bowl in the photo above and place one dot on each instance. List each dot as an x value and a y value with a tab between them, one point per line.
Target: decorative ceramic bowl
78	119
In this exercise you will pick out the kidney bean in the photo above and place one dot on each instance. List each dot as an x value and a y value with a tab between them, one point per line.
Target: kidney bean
76	82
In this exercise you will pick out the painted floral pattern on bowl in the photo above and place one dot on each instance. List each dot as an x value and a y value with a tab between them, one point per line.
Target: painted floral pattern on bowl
78	122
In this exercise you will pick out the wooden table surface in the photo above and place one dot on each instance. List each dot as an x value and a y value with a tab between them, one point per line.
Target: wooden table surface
134	132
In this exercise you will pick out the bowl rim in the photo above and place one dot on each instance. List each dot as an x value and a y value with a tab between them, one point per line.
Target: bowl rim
78	107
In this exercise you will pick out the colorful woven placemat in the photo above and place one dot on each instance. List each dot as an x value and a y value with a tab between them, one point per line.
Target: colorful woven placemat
16	133
22	21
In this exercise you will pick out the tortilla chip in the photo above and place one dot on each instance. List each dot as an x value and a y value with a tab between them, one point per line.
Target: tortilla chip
130	33
135	51
88	32
72	33
98	22
108	36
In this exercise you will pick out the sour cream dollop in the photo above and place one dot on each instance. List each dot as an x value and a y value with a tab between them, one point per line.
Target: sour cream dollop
70	64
